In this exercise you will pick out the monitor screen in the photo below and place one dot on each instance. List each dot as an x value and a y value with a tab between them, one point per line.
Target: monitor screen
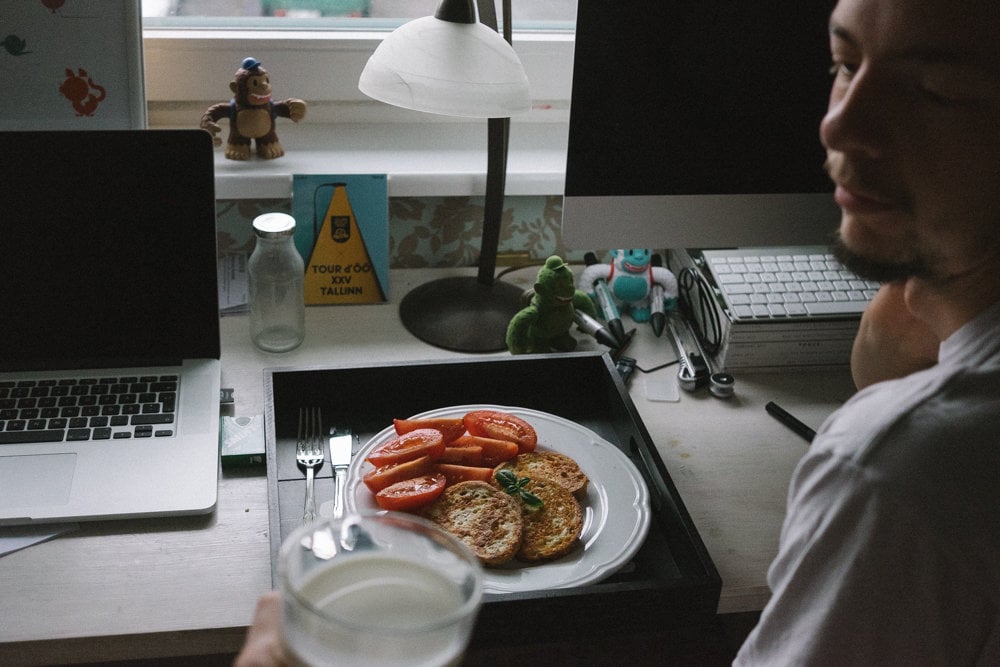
695	123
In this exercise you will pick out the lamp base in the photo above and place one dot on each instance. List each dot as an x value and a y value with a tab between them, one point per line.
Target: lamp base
461	314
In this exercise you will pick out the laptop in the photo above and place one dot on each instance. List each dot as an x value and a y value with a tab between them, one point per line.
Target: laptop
109	333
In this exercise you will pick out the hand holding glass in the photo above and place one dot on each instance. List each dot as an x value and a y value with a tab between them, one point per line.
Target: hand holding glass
377	589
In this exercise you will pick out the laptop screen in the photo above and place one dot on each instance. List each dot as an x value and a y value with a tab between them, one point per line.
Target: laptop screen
109	249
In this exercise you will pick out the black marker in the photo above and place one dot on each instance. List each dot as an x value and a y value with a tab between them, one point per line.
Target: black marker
791	422
657	318
606	304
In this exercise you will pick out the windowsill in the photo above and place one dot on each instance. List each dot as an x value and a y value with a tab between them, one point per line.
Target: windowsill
421	159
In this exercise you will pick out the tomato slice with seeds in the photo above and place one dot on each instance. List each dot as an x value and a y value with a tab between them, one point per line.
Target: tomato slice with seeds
450	427
409	446
412	493
502	426
380	478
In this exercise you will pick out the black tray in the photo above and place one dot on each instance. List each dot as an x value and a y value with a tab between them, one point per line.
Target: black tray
671	579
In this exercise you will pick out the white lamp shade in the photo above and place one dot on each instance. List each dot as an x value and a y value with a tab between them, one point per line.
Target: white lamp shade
453	69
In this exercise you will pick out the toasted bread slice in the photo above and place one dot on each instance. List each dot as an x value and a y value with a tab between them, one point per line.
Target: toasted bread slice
548	465
485	518
552	530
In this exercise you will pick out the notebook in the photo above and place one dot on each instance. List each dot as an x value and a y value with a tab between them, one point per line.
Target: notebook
109	333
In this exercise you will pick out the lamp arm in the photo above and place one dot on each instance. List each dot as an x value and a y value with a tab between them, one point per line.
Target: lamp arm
498	137
498	130
488	13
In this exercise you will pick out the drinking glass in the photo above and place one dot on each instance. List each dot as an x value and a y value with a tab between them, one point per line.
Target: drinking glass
377	589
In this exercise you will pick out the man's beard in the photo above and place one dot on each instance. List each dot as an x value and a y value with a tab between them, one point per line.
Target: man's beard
877	270
843	171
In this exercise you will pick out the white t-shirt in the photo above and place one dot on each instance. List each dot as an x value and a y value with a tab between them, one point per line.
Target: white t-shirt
890	551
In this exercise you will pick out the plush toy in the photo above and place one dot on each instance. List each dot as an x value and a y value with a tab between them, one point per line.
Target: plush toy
543	325
630	276
251	114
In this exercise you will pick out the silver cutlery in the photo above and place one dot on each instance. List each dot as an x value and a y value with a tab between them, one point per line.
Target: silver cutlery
341	443
309	454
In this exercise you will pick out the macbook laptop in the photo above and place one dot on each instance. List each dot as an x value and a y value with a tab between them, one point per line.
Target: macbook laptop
109	325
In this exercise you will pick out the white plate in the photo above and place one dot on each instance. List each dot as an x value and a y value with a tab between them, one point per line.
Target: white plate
616	508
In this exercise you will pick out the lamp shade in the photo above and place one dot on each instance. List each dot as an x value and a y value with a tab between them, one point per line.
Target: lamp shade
447	68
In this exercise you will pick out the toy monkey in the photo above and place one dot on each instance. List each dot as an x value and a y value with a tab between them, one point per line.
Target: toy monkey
251	114
544	324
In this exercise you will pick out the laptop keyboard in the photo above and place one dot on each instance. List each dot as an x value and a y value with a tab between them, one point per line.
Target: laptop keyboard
787	283
104	408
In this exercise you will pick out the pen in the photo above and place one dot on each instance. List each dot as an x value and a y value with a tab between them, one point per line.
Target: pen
592	327
791	422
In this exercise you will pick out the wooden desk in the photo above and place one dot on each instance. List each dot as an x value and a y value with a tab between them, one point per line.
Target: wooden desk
134	589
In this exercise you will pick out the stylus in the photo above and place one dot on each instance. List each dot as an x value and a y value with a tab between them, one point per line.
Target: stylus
788	420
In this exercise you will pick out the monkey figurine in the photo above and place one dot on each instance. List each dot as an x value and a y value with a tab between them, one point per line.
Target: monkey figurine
630	277
251	114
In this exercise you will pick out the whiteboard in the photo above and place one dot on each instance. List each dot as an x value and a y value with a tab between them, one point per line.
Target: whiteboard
71	65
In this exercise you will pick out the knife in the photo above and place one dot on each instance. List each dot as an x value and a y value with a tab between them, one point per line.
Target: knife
341	442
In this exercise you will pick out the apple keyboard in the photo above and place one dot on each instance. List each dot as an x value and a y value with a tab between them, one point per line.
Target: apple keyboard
782	283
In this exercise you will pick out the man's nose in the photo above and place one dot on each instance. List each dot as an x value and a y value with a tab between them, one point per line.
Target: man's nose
855	121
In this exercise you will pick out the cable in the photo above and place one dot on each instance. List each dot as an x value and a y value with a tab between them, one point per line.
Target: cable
698	305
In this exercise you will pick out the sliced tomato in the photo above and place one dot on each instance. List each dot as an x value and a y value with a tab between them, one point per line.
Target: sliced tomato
458	473
471	455
494	452
409	446
502	426
450	428
411	493
380	478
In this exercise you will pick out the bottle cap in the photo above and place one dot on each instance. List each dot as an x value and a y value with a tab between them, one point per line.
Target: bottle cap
274	225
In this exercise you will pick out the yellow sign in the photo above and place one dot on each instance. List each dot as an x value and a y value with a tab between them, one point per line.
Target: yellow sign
340	268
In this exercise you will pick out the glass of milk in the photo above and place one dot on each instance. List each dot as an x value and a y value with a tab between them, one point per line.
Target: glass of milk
377	589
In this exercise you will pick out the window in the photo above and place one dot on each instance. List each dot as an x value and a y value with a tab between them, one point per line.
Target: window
193	47
527	14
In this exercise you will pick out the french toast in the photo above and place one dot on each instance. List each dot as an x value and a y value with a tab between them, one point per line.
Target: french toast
485	518
548	465
552	530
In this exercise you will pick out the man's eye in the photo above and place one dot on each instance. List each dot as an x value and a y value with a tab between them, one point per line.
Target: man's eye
842	69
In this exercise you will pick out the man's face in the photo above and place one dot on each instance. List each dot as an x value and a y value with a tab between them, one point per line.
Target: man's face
913	134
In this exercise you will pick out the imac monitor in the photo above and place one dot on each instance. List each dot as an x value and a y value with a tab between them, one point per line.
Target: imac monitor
695	124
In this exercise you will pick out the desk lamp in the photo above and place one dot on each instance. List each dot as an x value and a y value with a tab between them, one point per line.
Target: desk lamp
457	65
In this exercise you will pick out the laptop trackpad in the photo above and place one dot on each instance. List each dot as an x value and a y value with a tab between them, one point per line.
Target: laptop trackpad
36	480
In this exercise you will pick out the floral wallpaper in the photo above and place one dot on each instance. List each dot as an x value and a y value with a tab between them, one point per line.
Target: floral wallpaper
428	231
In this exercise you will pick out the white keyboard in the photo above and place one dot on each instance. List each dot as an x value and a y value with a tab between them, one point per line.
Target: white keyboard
787	282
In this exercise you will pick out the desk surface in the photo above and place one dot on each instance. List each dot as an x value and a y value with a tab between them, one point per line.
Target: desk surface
131	589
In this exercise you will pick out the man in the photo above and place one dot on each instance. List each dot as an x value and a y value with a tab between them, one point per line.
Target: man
890	552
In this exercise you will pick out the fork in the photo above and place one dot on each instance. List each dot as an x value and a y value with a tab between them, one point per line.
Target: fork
309	454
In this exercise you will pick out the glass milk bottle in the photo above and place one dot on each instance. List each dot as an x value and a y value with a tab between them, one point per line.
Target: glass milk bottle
276	273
